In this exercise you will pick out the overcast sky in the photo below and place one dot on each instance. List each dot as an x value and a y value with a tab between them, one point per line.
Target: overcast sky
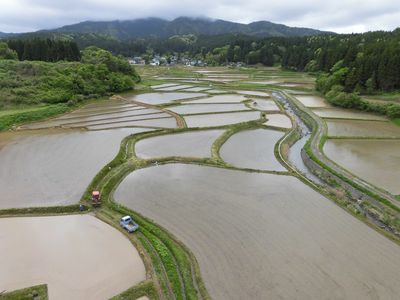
335	15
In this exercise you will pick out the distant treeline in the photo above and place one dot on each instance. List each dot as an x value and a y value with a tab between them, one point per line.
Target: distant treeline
45	49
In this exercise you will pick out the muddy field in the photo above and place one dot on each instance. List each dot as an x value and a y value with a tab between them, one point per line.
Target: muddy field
262	236
159	98
174	87
278	120
207	108
254	93
57	251
53	167
359	128
221	119
341	113
312	101
188	144
253	149
231	98
264	105
377	161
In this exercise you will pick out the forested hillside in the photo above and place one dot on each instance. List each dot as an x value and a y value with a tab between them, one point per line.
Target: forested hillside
33	82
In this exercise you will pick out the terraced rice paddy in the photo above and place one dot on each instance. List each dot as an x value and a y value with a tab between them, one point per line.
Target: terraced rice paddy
264	105
78	257
165	122
246	233
164	85
252	149
174	88
207	108
360	128
312	101
160	98
231	98
278	120
188	144
376	161
341	113
254	93
197	89
53	167
220	119
111	114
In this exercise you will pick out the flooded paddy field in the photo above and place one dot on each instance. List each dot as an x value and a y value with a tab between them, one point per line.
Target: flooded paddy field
341	113
221	119
265	105
174	88
57	251
216	91
252	149
164	85
278	120
160	98
197	89
165	122
207	108
53	167
263	236
187	144
360	128
312	101
254	93
231	98
376	161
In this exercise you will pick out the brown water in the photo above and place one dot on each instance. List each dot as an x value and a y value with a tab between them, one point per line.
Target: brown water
262	236
221	119
156	123
188	144
254	93
377	161
312	101
53	167
78	257
164	85
197	89
265	105
159	98
207	108
359	128
278	120
231	98
342	113
174	88
253	149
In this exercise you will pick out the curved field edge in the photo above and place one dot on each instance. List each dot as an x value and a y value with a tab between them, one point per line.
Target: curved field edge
176	271
33	292
382	210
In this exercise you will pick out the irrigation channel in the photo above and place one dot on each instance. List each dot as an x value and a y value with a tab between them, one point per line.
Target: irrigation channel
297	158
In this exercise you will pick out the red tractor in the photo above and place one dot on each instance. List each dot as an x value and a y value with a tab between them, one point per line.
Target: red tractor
96	199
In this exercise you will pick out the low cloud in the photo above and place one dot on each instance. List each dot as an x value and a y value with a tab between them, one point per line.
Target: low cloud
339	15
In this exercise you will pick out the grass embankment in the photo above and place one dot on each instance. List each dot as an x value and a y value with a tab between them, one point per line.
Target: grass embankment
7	121
177	263
30	293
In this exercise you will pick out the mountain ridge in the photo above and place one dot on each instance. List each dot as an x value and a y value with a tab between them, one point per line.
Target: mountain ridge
160	28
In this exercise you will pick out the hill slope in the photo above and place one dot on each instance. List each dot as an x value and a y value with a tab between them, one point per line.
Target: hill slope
162	28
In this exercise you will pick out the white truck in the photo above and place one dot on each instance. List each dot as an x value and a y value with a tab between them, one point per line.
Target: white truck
128	224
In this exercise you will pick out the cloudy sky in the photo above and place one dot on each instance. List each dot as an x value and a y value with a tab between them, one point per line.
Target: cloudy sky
334	15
